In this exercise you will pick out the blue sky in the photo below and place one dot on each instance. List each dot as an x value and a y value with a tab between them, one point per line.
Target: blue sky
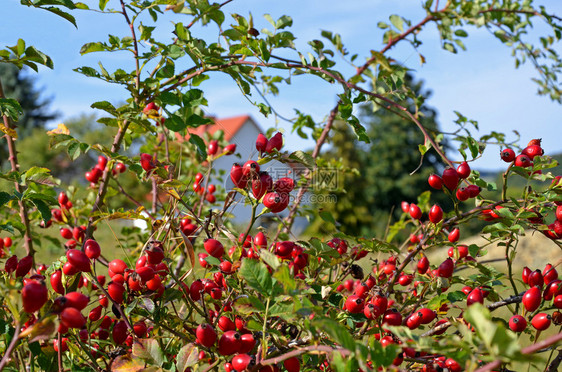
482	82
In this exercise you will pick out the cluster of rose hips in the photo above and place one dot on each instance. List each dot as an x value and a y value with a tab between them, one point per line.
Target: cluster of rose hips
543	286
5	243
236	339
93	175
525	159
146	279
451	178
273	195
199	188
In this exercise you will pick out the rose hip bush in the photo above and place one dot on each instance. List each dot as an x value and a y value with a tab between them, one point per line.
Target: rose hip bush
196	293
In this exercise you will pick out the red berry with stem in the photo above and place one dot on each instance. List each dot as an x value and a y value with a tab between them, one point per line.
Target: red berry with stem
276	202
119	332
213	147
405	207
56	282
507	155
532	151
92	249
237	176
541	321
354	304
450	178
292	364
79	260
261	143
230	149
243	362
229	343
523	161
147	162
34	295
435	181
462	194
72	318
435	214
274	143
206	335
214	247
116	291
415	211
454	235
475	296
445	270
473	190
463	170
423	265
532	299
118	266
24	266
517	323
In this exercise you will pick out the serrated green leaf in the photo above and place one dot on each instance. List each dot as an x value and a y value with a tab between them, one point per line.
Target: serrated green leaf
43	208
337	331
199	144
257	276
149	350
303	158
187	357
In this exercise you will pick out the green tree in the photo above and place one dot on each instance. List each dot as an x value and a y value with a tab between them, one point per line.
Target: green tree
380	173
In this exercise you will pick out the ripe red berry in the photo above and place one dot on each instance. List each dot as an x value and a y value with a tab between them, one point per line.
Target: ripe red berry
541	321
475	296
247	343
405	207
435	181
118	266
66	233
392	317
415	211
119	332
34	295
92	249
79	260
435	214
243	362
229	343
274	143
56	282
76	300
214	247
151	109
532	151
507	155
523	161
276	202
213	147
284	185
354	304
536	278
260	240
462	194
230	149
473	191
24	266
517	323
261	143
445	270
72	318
454	235
292	364
532	299
237	176
147	162
423	265
450	178
116	291
262	184
463	170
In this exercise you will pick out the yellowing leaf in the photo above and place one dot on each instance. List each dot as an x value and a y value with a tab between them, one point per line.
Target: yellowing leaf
60	129
9	131
42	330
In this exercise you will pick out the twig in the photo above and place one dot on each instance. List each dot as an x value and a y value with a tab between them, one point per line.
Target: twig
11	347
13	157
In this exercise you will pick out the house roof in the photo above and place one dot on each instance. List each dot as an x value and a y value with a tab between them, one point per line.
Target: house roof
230	126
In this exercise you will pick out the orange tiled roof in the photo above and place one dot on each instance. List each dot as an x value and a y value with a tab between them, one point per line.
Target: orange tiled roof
230	126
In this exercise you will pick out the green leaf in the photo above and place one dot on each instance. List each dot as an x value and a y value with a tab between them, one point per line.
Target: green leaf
92	47
257	276
187	357
43	208
397	22
105	106
270	259
327	216
337	331
175	123
199	144
149	350
284	21
5	197
103	3
304	158
10	108
195	120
